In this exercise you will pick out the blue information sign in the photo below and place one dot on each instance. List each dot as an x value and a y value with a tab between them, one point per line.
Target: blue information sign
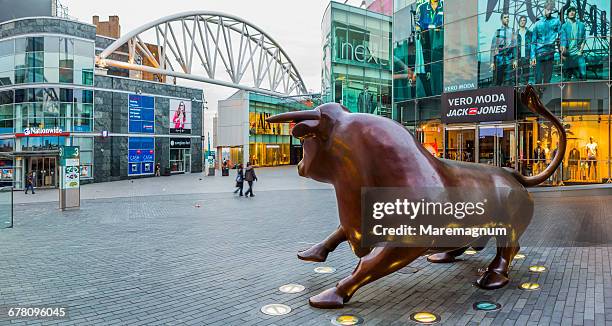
141	155
141	114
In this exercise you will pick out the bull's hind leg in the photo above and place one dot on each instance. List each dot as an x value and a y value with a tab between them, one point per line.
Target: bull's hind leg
381	261
319	251
496	275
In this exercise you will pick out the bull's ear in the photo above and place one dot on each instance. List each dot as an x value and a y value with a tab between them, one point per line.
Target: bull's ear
306	128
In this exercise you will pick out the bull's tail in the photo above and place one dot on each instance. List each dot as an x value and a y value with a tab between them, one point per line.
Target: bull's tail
531	99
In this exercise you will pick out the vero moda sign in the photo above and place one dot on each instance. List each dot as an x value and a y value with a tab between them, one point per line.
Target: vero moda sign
487	104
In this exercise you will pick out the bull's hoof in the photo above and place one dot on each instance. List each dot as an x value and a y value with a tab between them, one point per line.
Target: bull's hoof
441	257
490	280
328	299
317	253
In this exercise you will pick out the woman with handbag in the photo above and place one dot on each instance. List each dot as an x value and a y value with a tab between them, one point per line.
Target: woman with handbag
239	180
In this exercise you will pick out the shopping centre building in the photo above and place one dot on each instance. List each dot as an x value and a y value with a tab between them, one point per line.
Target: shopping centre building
356	68
243	135
457	67
52	95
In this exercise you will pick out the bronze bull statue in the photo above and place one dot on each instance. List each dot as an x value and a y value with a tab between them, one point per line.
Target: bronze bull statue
351	151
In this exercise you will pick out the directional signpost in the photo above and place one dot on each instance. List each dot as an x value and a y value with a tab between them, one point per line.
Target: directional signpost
70	183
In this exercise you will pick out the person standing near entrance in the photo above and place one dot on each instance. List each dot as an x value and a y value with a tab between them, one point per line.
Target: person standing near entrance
249	176
30	183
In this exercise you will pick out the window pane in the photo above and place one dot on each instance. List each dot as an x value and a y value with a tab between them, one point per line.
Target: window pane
6	97
51	59
51	75
52	44
65	75
7	48
35	44
20	76
20	45
7	78
66	95
7	62
83	48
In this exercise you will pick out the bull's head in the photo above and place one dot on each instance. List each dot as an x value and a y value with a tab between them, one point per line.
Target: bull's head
315	129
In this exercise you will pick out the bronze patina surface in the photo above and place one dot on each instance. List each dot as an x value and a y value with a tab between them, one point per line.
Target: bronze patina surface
351	151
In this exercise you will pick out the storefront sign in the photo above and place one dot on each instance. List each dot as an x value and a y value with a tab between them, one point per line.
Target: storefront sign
487	104
180	143
40	132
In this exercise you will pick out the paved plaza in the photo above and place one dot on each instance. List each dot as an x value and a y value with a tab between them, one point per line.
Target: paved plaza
185	250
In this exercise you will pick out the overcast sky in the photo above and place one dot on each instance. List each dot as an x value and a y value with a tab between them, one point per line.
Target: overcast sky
294	24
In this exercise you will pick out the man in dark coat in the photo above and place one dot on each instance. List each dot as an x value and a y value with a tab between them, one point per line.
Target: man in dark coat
249	177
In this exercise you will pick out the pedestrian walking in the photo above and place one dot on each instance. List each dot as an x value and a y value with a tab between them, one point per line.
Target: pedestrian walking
239	180
29	184
157	170
249	176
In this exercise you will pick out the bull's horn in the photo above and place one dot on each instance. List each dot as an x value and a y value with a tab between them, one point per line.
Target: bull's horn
295	116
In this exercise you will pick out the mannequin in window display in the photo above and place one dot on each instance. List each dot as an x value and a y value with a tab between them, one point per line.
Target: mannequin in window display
544	44
573	161
502	54
522	51
573	39
430	34
365	101
591	151
539	158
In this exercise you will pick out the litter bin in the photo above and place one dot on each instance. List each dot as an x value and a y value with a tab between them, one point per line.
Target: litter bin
225	172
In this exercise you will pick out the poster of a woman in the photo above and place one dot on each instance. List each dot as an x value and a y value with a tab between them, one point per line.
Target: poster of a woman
180	113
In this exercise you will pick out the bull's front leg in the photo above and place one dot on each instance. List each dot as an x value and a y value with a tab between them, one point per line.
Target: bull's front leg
318	252
381	261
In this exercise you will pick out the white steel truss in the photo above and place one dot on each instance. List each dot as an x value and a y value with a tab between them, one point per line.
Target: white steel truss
192	45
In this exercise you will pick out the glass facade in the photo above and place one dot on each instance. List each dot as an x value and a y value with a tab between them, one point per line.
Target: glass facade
63	103
562	47
271	144
46	59
357	59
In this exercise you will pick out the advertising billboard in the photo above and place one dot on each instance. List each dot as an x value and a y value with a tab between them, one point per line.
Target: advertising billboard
180	116
141	114
141	155
419	49
543	41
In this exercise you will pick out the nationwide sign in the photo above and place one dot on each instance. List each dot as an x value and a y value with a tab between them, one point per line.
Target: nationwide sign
487	104
40	132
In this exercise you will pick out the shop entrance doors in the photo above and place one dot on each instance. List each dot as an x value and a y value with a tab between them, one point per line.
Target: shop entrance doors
497	145
461	143
187	162
43	171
